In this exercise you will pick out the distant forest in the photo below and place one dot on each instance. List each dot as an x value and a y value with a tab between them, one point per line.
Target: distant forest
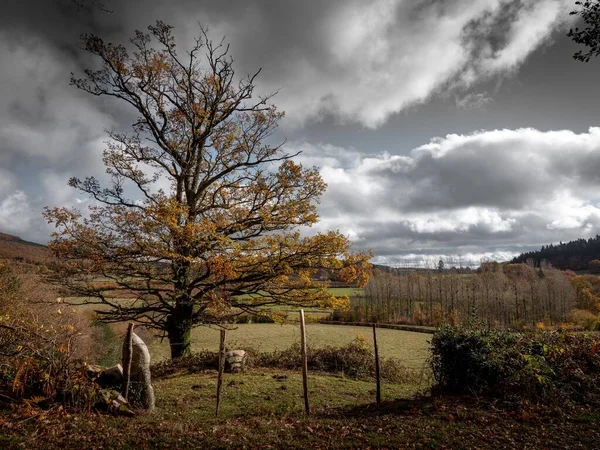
574	255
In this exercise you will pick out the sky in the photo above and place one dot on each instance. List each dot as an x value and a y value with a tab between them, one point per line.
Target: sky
454	129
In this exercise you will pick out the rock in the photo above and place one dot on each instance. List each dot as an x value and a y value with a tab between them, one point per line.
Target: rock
93	371
115	403
141	392
111	377
235	361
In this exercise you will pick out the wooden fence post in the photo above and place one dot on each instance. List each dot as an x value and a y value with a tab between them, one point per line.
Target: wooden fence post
127	356
304	363
221	366
377	368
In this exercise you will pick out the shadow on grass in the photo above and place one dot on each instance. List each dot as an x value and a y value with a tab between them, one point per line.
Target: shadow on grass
400	407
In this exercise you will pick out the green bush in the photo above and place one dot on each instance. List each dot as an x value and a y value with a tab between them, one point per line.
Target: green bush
466	361
535	365
354	360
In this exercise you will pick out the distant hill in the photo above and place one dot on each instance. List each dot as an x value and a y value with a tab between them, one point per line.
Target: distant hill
15	248
573	255
419	270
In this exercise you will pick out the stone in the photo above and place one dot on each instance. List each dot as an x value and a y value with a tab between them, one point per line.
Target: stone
93	371
235	361
111	377
141	392
115	403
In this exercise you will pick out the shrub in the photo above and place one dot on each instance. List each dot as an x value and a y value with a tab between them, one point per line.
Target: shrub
354	360
466	361
437	315
546	366
594	266
196	362
355	314
38	345
419	315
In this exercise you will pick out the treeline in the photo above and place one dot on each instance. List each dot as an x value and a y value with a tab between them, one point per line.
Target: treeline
573	255
511	296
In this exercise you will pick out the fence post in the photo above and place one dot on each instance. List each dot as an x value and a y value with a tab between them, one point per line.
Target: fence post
304	363
127	356
221	365
377	369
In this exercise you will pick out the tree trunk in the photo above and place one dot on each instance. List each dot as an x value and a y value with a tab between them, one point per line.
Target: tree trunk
179	329
179	322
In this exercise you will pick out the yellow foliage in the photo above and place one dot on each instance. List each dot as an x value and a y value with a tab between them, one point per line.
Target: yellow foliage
588	292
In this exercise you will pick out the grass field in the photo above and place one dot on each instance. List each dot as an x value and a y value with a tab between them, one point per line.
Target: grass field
412	349
349	291
266	393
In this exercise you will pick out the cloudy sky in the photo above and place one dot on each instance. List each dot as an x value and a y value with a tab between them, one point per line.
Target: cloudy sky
460	128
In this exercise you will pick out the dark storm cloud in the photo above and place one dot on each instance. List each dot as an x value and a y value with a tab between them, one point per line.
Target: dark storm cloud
359	61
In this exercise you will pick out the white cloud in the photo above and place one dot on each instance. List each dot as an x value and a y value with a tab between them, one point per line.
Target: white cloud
473	101
482	193
15	213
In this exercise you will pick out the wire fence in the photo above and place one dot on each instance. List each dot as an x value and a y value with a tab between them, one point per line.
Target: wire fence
408	350
291	335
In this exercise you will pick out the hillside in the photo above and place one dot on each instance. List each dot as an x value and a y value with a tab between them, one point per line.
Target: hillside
15	248
573	255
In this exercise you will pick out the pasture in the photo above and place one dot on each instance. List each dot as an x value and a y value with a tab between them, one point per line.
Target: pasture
410	348
263	392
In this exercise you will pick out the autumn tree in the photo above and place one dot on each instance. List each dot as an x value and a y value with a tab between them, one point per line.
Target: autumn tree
224	236
594	266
